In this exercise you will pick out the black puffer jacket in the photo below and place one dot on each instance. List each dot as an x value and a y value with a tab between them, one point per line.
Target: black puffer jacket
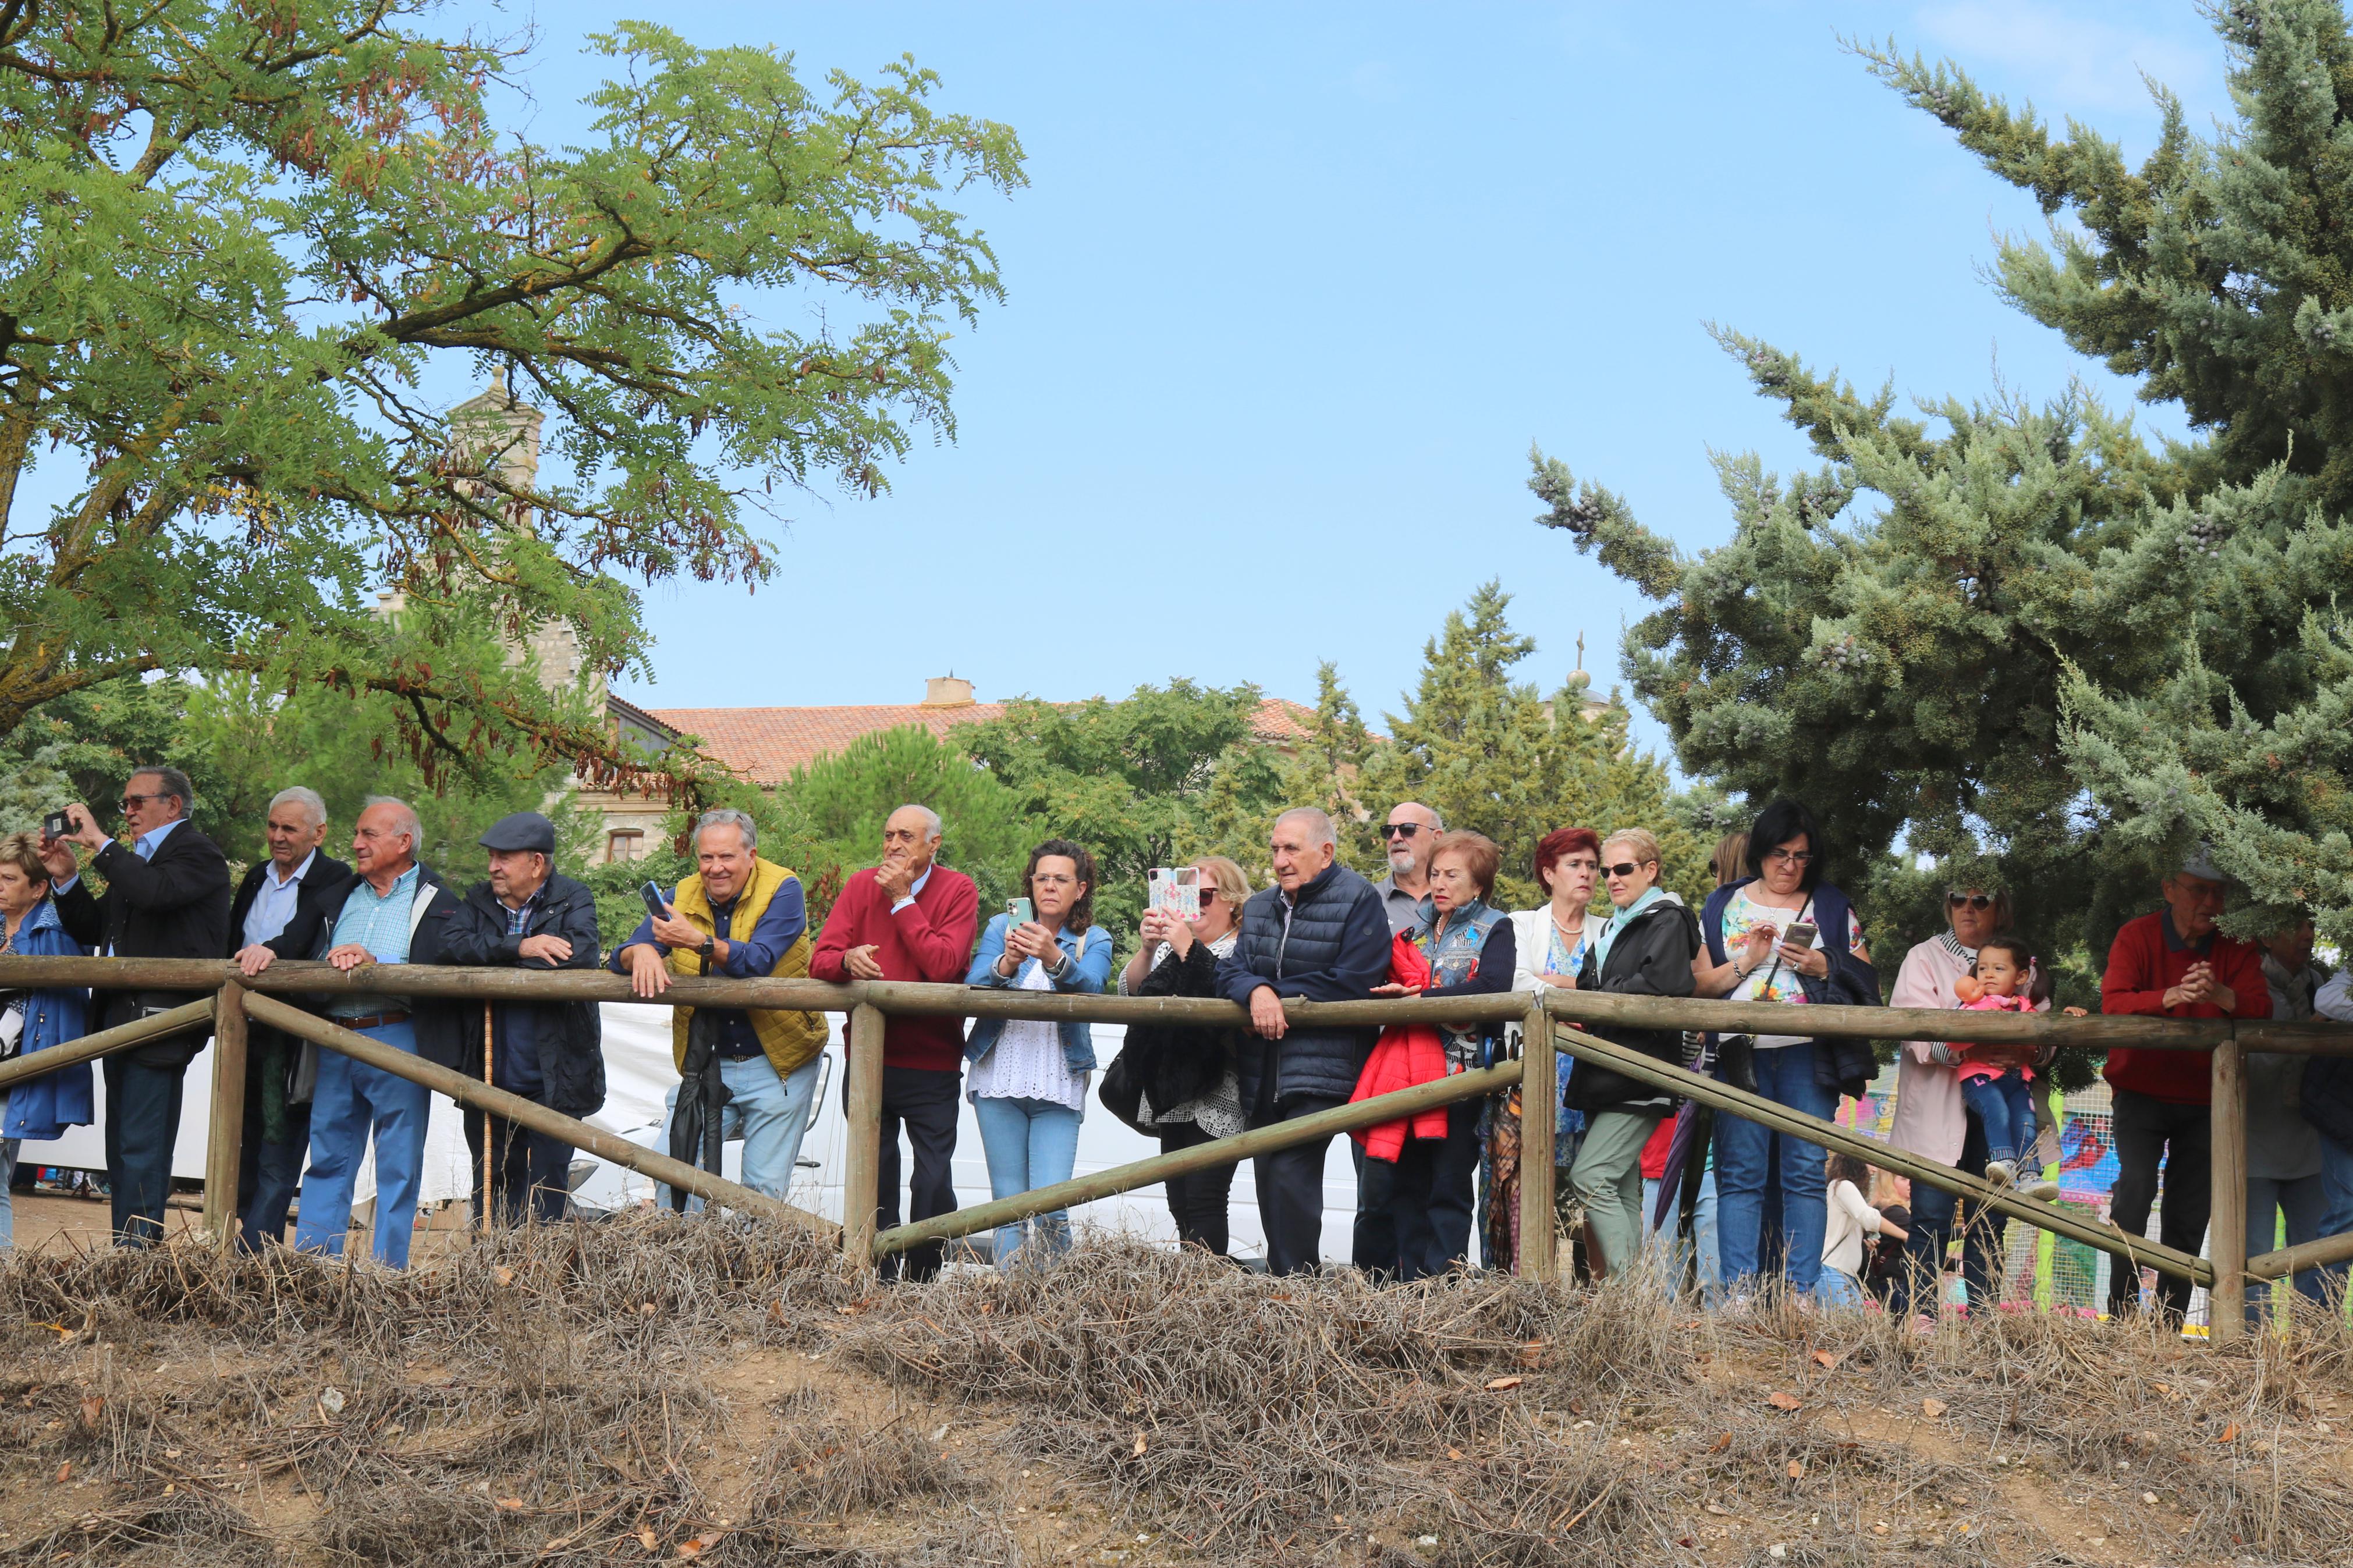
1329	943
1651	957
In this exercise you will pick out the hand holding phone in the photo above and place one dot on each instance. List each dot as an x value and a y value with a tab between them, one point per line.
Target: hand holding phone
656	905
1800	935
56	825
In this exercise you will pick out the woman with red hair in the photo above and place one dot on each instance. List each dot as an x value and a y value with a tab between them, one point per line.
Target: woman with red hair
1549	944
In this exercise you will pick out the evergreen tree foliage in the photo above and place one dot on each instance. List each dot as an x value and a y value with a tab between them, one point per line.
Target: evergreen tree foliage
2042	647
1490	752
244	238
1164	775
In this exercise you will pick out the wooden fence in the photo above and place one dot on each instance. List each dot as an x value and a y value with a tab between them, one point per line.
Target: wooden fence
1551	1021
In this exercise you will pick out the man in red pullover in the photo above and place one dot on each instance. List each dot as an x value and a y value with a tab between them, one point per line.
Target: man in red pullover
2175	963
909	919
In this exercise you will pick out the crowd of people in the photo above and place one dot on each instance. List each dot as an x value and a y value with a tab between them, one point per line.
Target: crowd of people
1727	1203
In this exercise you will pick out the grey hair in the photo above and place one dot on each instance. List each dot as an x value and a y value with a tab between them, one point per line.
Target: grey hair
404	816
175	782
1318	820
931	818
728	816
307	798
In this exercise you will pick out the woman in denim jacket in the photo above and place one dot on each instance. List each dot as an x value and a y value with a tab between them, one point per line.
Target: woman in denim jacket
1029	1079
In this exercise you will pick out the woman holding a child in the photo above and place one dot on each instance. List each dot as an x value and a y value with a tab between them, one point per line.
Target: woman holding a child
1932	1118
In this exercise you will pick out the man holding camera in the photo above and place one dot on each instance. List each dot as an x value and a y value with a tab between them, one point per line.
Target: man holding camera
282	896
551	1053
909	919
167	895
746	1072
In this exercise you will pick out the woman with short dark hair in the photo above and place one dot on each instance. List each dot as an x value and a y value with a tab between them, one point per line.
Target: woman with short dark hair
1751	957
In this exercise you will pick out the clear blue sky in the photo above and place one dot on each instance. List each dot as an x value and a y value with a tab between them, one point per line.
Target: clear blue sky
1292	289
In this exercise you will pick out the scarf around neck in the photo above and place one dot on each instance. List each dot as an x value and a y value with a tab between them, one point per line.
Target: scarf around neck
1618	921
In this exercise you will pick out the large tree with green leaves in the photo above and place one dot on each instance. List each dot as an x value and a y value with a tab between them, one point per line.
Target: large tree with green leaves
243	239
2025	632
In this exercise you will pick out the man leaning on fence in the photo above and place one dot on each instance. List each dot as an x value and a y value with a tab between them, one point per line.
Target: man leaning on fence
1319	933
526	916
281	896
394	911
749	1073
166	896
909	919
2171	962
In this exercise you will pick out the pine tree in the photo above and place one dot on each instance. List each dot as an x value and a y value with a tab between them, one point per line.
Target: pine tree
2049	643
1490	752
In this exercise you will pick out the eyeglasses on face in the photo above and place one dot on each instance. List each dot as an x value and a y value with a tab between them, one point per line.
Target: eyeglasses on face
1208	897
1790	857
130	802
1624	868
1400	829
1968	900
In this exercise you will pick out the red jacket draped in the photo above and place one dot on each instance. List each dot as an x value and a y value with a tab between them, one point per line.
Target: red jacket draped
1407	1054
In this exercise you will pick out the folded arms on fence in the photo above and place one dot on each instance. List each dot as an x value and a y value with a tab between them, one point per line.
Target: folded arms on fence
1555	1020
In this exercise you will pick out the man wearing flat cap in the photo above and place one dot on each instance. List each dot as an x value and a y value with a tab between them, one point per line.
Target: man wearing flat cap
2173	964
527	917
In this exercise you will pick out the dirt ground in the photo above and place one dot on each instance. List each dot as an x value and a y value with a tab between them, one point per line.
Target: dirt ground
662	1390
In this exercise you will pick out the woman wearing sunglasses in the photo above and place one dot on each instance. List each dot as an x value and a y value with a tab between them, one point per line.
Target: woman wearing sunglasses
1645	950
1931	1118
1784	935
1175	1082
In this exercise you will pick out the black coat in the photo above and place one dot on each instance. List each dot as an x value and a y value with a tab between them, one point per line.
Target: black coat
173	906
326	875
1170	1064
271	1056
1651	957
1330	944
569	1034
440	1025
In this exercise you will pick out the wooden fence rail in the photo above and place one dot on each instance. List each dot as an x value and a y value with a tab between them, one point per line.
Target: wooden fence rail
1553	1018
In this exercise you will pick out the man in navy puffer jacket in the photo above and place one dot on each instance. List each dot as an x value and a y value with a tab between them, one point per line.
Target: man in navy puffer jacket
1319	934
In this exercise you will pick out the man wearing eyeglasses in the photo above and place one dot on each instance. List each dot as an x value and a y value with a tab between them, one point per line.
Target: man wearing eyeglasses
167	895
1409	837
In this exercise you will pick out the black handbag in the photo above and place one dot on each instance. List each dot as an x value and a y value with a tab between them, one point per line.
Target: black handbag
1122	1091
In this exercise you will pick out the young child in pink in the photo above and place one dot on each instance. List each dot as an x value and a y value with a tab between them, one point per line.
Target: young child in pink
2000	1097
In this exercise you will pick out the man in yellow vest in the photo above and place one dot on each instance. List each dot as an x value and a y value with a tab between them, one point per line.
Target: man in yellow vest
741	917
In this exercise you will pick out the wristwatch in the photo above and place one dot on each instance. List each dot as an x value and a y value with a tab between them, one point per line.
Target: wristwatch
709	948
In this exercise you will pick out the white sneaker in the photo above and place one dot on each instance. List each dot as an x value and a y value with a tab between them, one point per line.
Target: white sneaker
2001	1173
2042	1190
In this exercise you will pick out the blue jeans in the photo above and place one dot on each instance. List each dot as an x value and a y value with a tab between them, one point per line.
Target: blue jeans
2302	1200
1785	1075
1836	1289
353	1099
2336	1212
7	1174
2005	1106
771	1114
1677	1249
1029	1143
1935	1212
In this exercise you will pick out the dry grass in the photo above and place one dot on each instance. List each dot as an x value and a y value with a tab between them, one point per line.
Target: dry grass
661	1390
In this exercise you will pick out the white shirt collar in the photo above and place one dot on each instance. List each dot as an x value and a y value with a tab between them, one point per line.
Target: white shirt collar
294	876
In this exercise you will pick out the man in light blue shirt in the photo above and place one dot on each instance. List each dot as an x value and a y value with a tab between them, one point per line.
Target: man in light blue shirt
394	911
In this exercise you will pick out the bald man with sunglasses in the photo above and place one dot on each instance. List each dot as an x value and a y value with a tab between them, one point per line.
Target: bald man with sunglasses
1409	837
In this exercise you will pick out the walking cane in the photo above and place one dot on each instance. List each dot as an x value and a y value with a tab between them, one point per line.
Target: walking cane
486	1119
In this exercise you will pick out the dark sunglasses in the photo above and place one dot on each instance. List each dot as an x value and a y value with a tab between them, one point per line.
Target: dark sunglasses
1968	900
1400	829
1625	869
130	802
1208	897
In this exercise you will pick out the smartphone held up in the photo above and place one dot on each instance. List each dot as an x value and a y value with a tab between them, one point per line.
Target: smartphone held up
1020	912
1176	891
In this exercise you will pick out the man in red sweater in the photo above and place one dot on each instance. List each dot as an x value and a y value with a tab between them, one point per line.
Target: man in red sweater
2172	962
909	919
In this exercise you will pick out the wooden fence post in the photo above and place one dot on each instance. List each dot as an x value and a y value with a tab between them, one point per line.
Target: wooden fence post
1539	1251
226	1138
2226	1301
862	1149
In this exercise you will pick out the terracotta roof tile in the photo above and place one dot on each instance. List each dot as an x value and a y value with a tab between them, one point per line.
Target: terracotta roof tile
765	745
